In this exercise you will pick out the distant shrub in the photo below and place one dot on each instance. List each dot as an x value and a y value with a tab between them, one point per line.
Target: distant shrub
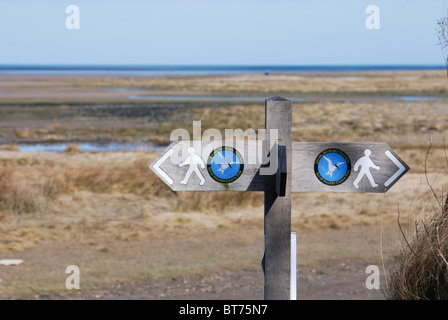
24	134
72	148
11	198
10	147
52	138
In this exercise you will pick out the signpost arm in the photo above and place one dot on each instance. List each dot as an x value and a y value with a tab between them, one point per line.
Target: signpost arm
277	210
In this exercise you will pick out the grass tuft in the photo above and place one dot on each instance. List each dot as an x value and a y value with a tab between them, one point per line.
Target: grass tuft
420	271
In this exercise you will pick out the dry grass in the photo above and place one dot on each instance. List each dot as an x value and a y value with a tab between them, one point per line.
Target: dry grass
52	138
216	202
380	82
16	199
70	195
27	182
420	272
24	134
10	147
64	91
398	123
233	117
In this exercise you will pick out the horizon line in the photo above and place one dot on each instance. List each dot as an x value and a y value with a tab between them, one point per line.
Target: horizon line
140	66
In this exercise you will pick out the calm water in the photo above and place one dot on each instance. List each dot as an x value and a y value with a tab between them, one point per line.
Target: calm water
154	71
262	99
193	98
90	147
416	99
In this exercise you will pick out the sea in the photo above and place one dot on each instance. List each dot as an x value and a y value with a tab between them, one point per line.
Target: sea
197	70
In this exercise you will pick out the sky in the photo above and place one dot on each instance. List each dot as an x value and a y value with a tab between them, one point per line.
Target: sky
221	32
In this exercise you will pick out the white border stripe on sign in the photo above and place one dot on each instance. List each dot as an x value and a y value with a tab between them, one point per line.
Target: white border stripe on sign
160	171
398	173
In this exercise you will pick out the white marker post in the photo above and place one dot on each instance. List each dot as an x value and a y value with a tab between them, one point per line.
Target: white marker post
11	262
293	285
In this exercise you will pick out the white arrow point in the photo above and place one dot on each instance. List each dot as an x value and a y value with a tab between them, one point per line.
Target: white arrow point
160	171
401	168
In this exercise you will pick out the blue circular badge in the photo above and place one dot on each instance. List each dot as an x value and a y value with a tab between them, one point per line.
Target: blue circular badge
332	167
225	164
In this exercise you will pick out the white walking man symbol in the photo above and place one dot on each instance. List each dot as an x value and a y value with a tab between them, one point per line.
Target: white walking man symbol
365	163
193	160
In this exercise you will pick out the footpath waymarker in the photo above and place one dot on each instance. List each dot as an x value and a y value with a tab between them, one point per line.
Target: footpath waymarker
211	166
278	167
316	167
345	167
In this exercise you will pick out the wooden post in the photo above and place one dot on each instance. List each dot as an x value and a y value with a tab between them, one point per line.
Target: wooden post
277	210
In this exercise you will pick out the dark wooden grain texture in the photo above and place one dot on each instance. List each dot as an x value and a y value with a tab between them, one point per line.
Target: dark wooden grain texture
277	210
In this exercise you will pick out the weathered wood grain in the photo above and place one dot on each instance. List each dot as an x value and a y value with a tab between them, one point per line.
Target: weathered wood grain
303	177
305	153
277	210
250	180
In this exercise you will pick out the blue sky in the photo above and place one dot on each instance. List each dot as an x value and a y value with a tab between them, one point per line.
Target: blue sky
225	32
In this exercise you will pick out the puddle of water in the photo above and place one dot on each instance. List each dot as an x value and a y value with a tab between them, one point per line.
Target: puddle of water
192	98
186	98
126	90
90	147
259	99
416	99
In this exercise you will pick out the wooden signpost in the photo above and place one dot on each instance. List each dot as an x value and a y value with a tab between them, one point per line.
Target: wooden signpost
242	165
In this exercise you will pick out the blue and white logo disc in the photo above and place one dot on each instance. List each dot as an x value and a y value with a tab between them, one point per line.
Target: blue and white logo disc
332	167
225	164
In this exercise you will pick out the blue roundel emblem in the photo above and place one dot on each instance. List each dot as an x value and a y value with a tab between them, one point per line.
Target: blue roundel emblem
225	164
332	167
